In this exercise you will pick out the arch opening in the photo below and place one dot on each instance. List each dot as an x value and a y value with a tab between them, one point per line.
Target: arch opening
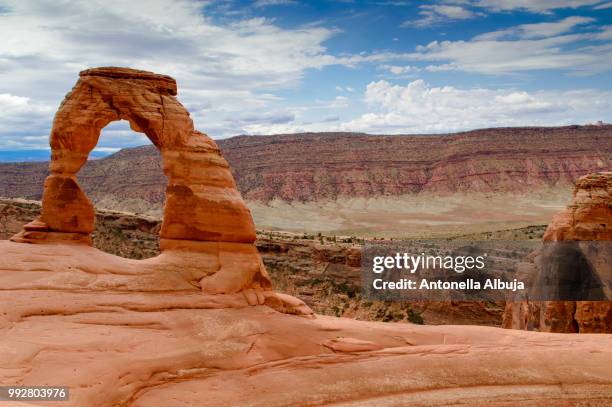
128	220
133	160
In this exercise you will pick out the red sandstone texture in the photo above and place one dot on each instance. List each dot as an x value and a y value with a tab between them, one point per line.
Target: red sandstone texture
587	218
124	332
141	333
320	166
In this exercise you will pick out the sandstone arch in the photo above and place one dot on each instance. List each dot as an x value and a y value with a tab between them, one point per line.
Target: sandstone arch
203	213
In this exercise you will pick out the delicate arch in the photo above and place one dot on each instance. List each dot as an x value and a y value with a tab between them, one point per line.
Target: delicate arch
203	210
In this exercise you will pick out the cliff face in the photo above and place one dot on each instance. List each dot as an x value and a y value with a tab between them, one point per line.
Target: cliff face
325	166
587	218
320	166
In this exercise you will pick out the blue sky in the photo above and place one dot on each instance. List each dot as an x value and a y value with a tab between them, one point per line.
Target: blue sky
283	66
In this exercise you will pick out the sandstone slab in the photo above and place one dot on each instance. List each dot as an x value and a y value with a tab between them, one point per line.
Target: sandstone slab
140	333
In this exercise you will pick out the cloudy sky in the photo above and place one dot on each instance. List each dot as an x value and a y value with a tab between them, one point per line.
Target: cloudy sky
278	66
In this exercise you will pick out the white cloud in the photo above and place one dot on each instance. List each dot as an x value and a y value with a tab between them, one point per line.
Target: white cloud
231	74
449	11
418	107
268	3
400	70
445	11
23	121
537	6
265	128
46	43
538	30
605	34
421	108
432	14
9	104
441	68
118	135
340	102
271	118
523	48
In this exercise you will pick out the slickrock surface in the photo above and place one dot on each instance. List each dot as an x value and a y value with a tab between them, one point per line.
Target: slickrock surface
138	333
587	218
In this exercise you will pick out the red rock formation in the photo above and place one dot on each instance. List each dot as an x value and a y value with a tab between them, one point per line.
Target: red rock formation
587	218
203	213
141	333
319	166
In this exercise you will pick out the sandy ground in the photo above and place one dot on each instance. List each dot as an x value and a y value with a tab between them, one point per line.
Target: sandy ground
420	215
412	215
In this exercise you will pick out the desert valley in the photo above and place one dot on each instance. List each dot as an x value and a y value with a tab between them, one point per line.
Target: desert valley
274	203
366	185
